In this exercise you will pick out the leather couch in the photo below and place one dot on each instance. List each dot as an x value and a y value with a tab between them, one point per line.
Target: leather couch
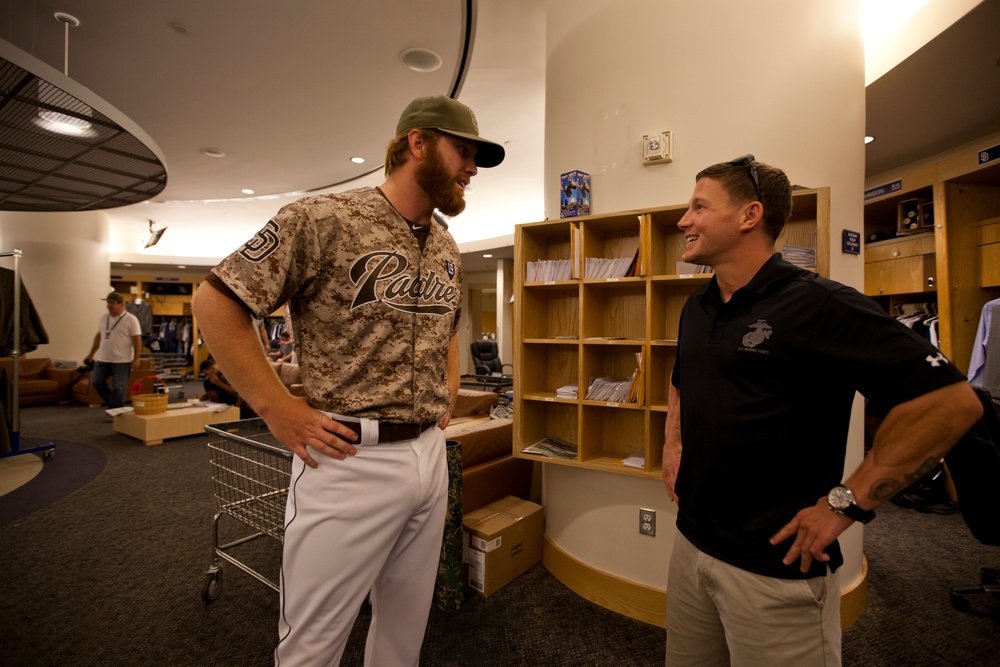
39	382
489	470
83	392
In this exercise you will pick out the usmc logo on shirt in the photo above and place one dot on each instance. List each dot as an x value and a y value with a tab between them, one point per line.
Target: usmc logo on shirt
381	276
759	332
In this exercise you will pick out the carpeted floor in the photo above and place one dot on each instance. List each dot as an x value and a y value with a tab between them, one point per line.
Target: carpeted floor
112	574
76	465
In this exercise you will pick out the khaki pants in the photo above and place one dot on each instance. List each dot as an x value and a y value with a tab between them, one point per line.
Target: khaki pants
718	614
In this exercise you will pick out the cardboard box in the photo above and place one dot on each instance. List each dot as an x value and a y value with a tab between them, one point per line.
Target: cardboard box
574	195
500	542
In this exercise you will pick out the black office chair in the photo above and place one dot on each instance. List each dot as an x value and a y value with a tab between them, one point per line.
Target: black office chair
974	465
486	359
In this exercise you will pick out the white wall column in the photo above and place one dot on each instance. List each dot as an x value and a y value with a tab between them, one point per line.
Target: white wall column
783	80
66	268
505	310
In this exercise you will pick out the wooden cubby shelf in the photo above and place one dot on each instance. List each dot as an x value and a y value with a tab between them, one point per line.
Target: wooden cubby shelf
569	331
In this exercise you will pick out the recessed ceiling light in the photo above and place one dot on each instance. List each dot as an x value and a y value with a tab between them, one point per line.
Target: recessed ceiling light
179	28
869	139
247	191
62	123
358	160
181	266
487	256
213	152
420	60
126	265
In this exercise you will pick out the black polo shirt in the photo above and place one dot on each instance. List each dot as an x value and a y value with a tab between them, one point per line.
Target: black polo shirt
766	392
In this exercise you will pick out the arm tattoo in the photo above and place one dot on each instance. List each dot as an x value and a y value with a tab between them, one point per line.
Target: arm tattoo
886	488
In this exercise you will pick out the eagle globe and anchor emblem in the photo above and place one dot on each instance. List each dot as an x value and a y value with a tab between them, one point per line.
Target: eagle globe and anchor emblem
761	332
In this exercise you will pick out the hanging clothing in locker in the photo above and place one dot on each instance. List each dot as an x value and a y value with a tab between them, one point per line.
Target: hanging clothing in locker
984	367
144	313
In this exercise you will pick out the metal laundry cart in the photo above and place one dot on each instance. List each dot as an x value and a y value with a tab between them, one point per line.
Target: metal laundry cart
250	470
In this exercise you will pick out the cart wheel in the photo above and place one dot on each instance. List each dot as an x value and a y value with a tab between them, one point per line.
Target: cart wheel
211	588
48	454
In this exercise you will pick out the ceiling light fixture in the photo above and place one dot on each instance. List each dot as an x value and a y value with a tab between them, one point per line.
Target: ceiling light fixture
56	130
487	256
77	124
247	191
213	152
358	160
420	60
868	139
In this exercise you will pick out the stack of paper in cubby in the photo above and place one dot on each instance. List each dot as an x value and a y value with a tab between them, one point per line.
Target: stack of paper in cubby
545	270
618	267
619	390
567	391
801	257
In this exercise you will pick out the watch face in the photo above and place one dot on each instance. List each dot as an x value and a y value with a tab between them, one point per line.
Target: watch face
840	497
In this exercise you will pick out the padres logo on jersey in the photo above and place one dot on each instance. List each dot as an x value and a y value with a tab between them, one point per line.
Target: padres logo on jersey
263	244
381	276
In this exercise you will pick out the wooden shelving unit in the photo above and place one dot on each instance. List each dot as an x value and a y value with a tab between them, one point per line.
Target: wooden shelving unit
568	331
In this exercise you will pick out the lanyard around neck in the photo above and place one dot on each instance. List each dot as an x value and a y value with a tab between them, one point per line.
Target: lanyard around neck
119	321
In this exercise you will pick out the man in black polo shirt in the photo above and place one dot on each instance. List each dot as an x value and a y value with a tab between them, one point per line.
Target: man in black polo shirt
769	359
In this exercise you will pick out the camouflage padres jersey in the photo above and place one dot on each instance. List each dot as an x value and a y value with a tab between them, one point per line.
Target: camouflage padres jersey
373	314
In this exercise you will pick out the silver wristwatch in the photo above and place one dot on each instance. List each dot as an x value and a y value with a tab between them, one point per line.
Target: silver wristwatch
841	500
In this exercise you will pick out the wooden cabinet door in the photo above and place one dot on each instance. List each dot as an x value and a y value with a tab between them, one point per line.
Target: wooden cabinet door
901	276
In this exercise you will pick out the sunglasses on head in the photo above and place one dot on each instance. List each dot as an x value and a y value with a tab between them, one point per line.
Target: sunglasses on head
751	164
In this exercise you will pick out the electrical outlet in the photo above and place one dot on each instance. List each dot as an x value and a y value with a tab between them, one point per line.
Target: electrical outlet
657	148
647	521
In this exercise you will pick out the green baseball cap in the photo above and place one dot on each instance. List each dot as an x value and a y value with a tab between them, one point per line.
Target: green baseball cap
452	117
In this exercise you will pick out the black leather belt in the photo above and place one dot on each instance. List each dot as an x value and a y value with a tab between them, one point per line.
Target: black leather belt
389	432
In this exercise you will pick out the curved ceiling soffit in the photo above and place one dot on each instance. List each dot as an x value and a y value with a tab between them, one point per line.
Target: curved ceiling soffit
111	163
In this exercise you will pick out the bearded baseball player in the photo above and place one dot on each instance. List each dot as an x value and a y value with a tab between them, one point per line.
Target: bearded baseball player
374	287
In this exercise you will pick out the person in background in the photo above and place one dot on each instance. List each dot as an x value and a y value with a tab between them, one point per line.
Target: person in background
769	359
116	351
286	348
217	389
373	283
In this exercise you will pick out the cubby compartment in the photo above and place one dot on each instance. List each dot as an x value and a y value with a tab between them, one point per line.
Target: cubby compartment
538	420
610	435
667	298
546	367
666	241
614	310
661	364
883	217
555	311
657	434
541	241
611	360
617	237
